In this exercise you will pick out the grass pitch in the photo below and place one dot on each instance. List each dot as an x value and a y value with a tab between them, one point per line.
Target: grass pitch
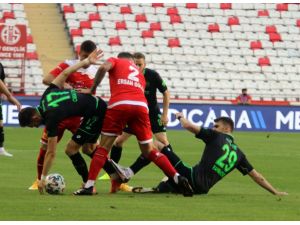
236	197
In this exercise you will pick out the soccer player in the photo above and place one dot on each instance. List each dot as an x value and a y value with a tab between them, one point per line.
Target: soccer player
221	156
83	78
127	106
56	105
158	120
12	100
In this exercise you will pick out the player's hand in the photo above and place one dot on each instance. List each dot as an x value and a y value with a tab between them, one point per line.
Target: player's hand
84	90
164	120
179	115
41	186
14	101
95	56
281	193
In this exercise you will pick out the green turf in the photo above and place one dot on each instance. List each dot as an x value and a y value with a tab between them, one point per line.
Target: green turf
234	198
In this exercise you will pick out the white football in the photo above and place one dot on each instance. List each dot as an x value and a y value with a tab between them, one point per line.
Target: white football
55	184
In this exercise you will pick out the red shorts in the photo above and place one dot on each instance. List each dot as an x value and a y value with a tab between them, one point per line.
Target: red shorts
136	117
70	124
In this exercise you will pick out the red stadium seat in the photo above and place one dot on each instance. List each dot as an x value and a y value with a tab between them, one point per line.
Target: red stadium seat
140	18
121	25
114	41
8	15
76	32
173	42
157	5
175	19
274	37
255	45
282	7
264	61
68	9
147	34
233	21
191	5
262	13
298	23
85	24
125	10
31	55
29	38
155	26
213	28
94	17
77	49
172	11
271	29
225	6
100	4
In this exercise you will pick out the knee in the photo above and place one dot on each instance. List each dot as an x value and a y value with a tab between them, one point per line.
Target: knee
72	148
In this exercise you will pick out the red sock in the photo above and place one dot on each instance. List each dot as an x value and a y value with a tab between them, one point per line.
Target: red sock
40	162
162	162
97	162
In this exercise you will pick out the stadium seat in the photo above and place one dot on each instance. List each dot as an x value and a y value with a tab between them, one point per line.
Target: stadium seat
157	5
175	19
282	7
298	23
172	11
255	45
213	28
173	42
114	41
76	32
125	10
271	29
140	18
263	13
68	9
8	15
264	61
274	37
233	21
155	26
85	24
191	5
121	25
225	6
147	34
31	55
29	38
94	16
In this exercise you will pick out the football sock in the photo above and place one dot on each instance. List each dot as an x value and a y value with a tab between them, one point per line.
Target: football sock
98	161
80	166
109	169
170	147
116	153
162	162
1	136
40	162
140	163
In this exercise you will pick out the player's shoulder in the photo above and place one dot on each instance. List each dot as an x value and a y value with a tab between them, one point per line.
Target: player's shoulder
71	62
151	71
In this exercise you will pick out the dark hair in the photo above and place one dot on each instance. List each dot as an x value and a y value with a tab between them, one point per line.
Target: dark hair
226	120
25	116
139	55
88	46
125	55
244	89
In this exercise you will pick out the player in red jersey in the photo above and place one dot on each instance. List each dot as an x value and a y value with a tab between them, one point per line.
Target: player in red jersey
127	106
83	78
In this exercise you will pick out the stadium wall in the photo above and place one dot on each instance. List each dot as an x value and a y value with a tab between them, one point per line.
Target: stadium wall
246	118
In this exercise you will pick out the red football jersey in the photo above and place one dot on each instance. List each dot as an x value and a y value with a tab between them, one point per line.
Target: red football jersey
82	78
127	84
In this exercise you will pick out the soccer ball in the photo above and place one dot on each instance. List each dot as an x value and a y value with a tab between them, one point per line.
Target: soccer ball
55	184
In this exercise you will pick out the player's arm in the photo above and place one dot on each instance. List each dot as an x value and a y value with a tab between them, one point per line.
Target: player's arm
260	180
9	96
187	124
63	76
49	159
105	67
166	104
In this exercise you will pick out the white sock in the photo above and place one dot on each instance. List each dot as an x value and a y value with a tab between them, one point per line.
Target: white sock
175	178
89	184
1	149
131	173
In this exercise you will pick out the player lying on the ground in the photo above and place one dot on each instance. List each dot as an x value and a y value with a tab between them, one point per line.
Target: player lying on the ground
221	155
56	105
